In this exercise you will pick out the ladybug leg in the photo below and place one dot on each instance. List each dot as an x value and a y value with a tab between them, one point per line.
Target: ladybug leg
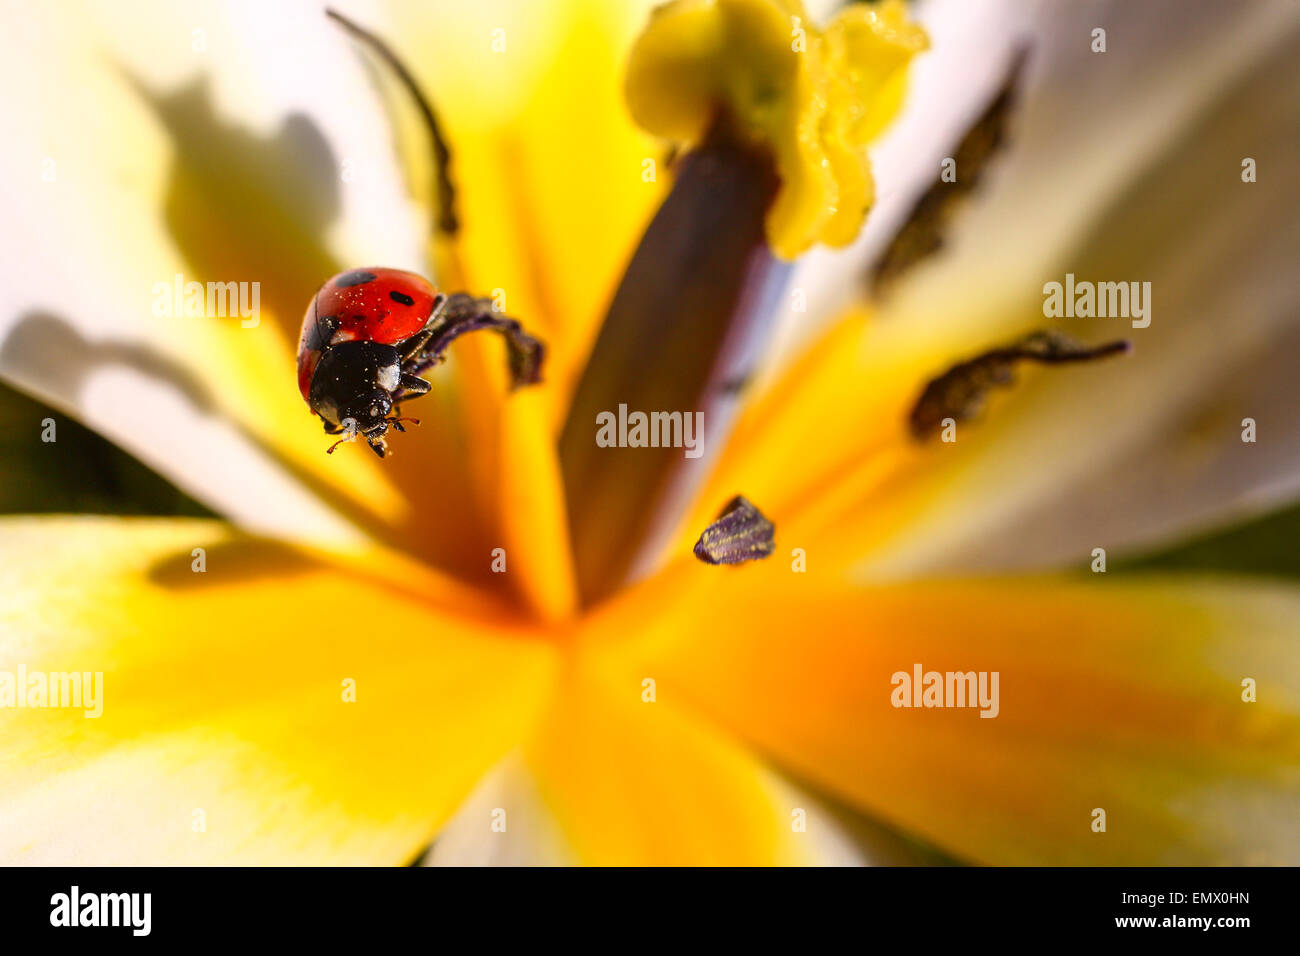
412	346
410	386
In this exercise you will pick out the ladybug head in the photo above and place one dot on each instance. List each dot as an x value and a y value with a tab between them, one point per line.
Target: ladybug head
353	387
370	411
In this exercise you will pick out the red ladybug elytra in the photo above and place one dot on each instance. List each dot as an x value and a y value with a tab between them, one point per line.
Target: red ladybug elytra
369	333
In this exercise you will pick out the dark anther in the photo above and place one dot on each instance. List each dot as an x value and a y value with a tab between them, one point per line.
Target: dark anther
464	313
741	533
447	222
923	233
959	393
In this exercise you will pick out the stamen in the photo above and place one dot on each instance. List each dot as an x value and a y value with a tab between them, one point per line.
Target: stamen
959	393
741	533
922	234
697	299
464	313
813	97
446	220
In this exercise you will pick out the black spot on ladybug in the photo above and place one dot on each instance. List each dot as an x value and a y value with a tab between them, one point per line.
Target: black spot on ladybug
355	277
401	297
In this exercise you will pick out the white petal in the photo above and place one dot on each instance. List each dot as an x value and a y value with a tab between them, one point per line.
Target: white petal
1089	122
502	823
89	163
1138	451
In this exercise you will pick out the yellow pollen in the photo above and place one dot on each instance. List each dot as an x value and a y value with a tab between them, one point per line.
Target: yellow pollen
815	97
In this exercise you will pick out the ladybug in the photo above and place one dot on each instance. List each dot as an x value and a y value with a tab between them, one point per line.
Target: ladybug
369	334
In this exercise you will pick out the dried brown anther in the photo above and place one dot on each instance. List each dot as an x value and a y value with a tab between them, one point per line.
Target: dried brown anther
464	313
741	533
959	393
922	234
446	222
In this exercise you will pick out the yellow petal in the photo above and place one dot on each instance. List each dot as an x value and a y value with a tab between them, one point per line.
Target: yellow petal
225	734
1126	697
815	97
831	431
633	783
516	484
506	822
550	171
552	198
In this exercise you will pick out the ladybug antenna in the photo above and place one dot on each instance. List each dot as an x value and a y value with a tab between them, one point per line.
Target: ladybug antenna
330	449
395	420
